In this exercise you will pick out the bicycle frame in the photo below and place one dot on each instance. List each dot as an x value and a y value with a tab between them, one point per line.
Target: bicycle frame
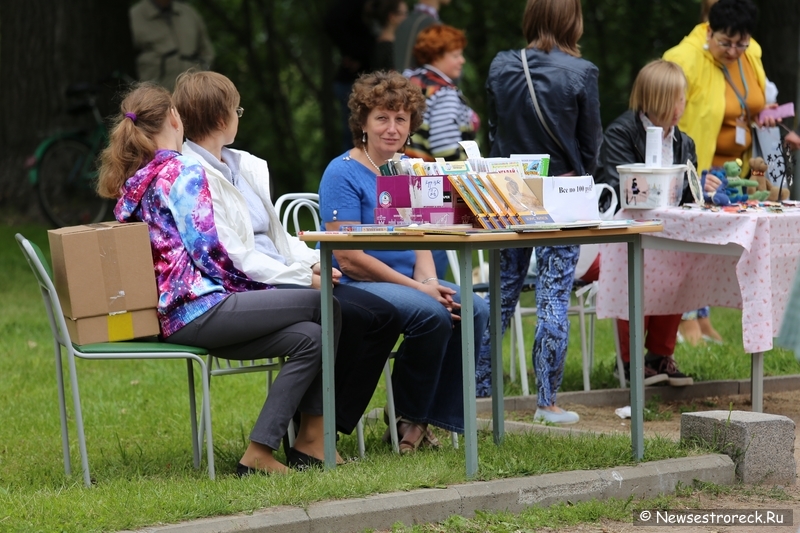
94	139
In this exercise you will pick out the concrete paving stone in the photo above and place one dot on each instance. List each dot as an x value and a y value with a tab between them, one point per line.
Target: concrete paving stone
283	519
435	505
381	511
760	444
649	480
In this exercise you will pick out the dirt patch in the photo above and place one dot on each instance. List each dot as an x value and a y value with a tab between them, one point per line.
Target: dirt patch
664	418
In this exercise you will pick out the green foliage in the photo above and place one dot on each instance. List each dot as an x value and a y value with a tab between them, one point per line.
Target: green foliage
137	429
279	56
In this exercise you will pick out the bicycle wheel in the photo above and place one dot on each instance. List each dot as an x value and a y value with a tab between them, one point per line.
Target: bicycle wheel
67	175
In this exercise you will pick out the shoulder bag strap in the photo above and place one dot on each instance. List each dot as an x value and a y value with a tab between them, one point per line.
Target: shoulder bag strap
536	102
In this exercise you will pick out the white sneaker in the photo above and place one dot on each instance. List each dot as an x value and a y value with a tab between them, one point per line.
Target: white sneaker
563	418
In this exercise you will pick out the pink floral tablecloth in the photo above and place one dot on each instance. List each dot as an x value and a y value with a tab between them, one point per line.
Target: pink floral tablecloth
758	282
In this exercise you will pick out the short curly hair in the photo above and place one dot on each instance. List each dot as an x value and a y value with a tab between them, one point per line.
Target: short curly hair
435	41
733	17
384	90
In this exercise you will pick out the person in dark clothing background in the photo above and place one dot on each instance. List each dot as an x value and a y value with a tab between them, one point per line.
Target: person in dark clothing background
349	32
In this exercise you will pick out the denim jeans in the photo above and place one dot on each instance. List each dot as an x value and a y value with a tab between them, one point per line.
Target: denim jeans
427	378
555	267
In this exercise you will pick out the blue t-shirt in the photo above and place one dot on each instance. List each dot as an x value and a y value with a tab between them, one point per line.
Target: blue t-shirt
347	191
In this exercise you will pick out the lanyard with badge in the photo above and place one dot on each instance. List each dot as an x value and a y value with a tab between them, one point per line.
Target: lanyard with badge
741	122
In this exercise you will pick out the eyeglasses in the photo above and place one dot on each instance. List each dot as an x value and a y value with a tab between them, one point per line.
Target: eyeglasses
741	47
239	112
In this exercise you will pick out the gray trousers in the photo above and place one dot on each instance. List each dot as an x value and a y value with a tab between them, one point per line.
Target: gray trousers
270	323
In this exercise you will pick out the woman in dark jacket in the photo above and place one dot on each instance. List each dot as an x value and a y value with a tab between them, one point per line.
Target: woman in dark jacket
658	98
566	92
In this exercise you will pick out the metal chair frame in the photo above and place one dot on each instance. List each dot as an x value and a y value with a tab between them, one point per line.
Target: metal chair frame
584	306
65	349
288	207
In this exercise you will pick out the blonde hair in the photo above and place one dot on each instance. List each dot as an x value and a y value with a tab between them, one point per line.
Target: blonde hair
658	86
205	101
131	142
548	24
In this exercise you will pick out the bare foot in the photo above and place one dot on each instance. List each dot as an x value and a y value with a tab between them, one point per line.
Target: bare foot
708	330
260	457
690	331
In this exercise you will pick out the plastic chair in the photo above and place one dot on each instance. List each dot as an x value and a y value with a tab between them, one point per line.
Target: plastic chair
295	202
288	208
481	285
109	351
584	307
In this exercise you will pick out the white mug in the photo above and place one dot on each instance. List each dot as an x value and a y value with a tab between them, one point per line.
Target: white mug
608	214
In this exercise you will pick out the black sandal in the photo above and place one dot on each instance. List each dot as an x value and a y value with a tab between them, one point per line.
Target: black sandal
302	461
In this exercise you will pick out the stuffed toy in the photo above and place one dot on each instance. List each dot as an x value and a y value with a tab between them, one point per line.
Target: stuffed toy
735	187
765	189
719	197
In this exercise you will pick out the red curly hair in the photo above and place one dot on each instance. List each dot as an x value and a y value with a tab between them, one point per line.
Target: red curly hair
435	41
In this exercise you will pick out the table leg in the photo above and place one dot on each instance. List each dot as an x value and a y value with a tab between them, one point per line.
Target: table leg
468	362
636	323
495	331
757	382
328	388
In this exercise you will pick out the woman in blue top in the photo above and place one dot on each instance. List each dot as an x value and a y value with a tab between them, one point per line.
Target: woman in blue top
385	108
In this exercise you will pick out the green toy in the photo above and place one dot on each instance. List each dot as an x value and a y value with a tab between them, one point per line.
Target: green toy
735	190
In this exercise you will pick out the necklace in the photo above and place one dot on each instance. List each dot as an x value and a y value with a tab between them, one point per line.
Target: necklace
366	153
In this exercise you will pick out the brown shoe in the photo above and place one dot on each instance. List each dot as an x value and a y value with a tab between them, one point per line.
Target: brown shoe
411	435
431	440
668	366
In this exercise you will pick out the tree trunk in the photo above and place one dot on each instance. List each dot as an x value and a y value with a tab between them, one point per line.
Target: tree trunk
45	46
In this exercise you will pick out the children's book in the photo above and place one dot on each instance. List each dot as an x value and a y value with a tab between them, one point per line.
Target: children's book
477	208
453	167
503	165
533	164
520	199
498	220
371	228
495	202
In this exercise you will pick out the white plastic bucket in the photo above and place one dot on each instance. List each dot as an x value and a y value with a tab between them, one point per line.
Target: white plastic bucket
644	187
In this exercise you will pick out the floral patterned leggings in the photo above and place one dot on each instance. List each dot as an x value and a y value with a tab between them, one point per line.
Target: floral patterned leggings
555	276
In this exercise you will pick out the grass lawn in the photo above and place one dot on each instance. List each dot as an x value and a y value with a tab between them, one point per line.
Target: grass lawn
137	428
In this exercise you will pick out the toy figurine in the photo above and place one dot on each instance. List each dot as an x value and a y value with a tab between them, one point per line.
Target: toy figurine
735	187
719	197
765	189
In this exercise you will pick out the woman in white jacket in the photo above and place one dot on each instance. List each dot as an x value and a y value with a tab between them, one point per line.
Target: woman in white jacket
260	246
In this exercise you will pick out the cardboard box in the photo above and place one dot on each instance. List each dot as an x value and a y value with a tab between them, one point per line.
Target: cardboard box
413	191
105	280
566	198
644	187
